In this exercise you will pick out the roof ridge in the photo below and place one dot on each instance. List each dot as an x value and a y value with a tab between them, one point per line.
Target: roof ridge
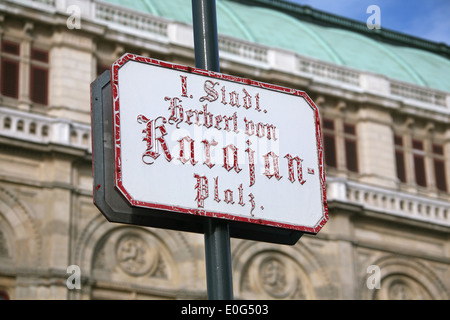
387	35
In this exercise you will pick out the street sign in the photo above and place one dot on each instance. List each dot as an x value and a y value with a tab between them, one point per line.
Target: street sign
202	143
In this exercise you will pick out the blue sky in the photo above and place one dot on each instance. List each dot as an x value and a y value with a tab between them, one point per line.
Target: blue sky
428	19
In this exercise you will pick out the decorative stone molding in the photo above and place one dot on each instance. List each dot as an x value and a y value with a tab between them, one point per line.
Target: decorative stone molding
265	271
121	16
403	278
136	255
417	93
242	49
44	130
274	275
388	201
133	255
24	230
328	71
138	258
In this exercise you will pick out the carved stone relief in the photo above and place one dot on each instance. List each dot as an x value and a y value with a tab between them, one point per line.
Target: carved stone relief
402	278
399	287
127	253
135	256
274	275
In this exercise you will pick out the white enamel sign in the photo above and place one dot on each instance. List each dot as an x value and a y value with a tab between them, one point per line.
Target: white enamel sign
203	143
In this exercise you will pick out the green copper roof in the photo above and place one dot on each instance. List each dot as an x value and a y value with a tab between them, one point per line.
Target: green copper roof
272	23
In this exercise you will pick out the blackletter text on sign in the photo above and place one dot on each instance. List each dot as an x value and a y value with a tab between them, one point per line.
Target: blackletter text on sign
203	143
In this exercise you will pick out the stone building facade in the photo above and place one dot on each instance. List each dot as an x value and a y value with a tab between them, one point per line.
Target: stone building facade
385	124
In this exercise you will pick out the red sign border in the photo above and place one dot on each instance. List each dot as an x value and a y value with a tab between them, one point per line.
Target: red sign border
117	143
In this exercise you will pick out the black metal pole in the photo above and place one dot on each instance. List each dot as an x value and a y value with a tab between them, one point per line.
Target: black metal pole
218	261
217	234
206	44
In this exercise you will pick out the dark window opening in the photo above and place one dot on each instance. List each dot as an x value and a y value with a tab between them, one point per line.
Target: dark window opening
10	78
419	169
400	163
330	150
351	155
39	85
